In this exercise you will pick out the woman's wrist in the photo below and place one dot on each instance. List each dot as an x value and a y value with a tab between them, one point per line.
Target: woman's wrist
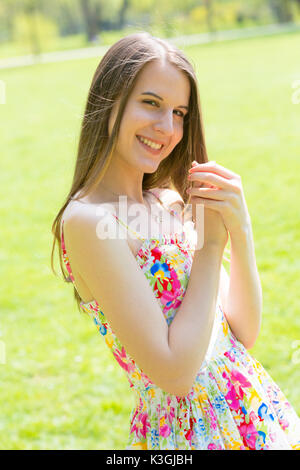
213	247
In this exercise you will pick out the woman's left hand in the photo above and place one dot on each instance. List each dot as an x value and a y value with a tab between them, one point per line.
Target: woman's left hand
225	196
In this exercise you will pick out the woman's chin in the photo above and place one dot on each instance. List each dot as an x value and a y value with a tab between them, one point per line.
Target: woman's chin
150	165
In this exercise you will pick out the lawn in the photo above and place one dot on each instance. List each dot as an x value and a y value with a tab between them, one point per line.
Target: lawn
61	387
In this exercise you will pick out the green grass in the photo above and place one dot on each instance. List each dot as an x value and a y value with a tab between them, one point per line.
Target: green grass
61	388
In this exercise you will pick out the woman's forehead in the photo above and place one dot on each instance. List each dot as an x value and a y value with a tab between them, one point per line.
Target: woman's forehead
157	77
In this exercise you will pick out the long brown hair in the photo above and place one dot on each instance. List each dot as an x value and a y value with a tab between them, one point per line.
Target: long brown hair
114	79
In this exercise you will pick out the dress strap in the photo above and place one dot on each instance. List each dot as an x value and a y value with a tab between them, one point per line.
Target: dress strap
136	234
64	254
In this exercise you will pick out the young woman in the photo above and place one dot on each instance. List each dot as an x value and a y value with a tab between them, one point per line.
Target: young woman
159	296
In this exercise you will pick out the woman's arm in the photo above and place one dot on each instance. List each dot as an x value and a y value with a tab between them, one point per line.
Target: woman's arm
243	305
191	328
170	356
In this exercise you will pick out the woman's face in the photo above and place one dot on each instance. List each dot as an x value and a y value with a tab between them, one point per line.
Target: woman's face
159	118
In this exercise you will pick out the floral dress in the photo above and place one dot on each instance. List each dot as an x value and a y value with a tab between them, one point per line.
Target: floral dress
233	403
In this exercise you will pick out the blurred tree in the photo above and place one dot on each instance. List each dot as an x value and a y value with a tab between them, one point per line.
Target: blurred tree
122	13
34	31
91	18
67	14
7	13
163	8
209	14
30	9
167	17
282	10
24	22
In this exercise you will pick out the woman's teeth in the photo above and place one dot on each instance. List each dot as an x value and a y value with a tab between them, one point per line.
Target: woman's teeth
149	143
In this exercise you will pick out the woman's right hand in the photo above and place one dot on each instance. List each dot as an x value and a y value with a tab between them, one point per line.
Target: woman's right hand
214	230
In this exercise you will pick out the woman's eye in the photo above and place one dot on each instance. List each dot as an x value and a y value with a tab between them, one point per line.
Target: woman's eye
151	101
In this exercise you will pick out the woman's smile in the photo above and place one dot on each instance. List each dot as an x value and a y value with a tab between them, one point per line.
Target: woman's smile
154	151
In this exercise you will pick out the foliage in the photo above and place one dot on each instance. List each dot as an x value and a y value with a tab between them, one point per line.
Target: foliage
34	27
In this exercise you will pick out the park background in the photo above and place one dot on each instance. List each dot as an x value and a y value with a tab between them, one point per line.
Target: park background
60	385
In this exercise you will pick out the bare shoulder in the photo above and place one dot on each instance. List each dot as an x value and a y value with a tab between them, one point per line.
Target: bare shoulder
94	221
83	211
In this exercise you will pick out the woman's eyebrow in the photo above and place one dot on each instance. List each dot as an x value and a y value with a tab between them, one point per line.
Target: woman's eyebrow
159	97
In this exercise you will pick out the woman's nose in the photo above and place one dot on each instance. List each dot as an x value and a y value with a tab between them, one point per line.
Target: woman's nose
165	124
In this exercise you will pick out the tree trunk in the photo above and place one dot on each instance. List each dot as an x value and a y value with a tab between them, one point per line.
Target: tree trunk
282	10
89	19
122	13
209	14
30	8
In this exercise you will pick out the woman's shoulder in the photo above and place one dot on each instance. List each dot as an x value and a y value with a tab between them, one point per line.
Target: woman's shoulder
85	211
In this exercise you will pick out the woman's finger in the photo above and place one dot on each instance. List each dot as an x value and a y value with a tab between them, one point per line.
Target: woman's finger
214	179
207	193
214	168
